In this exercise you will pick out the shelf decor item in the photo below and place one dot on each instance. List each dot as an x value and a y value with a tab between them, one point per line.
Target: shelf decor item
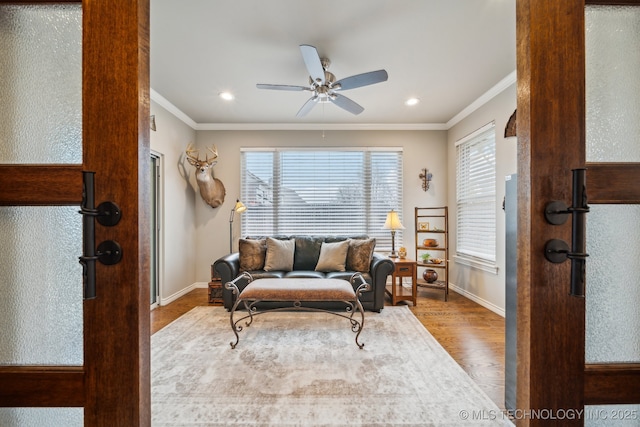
431	243
430	275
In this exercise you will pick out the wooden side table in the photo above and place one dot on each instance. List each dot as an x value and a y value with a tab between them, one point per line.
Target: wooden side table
215	288
404	268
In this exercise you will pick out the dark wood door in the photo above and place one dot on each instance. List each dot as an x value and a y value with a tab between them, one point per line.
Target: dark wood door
554	383
112	381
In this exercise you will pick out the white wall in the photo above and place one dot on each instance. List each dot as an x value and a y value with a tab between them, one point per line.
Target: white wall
485	288
178	248
421	149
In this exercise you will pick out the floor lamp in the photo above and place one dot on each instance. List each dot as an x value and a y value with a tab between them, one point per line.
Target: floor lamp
239	207
393	223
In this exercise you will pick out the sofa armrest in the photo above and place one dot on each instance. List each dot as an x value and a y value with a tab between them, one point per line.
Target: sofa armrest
381	267
227	267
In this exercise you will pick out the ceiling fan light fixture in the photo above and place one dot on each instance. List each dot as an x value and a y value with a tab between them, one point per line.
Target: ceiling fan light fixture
322	83
227	96
412	101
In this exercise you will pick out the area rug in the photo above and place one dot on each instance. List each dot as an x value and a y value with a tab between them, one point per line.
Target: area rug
304	369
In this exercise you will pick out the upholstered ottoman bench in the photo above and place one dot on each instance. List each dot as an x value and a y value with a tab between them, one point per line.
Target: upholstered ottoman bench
297	291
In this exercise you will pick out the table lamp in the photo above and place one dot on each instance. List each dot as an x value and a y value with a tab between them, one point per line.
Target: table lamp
393	223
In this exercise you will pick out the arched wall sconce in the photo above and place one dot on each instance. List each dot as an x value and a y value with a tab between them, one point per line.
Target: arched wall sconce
425	176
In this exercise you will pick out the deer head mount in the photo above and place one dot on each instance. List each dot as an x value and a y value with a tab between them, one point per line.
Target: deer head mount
211	189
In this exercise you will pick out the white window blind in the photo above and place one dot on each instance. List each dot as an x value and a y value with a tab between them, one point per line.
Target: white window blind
476	195
321	191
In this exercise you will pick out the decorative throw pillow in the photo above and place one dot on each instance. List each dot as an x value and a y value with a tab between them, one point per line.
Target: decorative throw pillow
333	256
360	254
252	253
279	254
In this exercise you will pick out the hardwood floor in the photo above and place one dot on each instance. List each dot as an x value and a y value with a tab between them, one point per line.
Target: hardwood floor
471	334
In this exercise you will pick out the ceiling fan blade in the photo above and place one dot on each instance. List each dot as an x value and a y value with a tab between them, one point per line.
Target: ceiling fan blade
281	87
311	102
363	79
313	63
346	103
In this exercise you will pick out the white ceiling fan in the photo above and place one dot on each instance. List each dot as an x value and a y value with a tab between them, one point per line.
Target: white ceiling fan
323	84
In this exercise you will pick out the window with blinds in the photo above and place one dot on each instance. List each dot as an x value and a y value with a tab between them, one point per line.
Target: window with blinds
321	192
476	195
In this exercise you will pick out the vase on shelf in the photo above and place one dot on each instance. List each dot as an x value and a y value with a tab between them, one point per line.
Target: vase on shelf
430	275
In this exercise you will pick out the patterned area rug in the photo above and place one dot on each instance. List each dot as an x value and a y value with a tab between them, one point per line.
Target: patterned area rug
304	369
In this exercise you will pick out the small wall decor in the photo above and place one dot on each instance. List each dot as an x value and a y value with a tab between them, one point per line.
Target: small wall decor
511	128
425	176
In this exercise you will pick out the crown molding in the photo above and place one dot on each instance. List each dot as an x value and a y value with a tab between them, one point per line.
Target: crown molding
321	126
483	99
167	105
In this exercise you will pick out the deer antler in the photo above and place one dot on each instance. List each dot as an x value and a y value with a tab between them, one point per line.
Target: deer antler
190	151
214	150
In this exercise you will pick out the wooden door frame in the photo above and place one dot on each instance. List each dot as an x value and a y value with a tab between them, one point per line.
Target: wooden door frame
113	385
551	115
551	141
116	117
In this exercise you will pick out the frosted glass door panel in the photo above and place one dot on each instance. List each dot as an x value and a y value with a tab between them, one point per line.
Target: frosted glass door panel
612	292
41	417
41	84
613	83
41	286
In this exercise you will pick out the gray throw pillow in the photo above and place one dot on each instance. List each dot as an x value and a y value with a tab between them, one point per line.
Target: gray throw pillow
360	254
252	253
333	256
279	254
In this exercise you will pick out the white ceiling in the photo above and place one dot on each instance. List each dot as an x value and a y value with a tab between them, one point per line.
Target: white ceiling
448	53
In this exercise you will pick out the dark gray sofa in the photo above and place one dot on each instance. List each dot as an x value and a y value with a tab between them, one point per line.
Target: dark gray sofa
306	255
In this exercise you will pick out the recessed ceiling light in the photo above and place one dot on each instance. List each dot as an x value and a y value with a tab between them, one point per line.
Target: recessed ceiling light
227	96
412	101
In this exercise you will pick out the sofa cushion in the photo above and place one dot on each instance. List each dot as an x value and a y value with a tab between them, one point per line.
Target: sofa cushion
252	254
307	274
332	239
261	274
360	254
333	256
279	254
307	252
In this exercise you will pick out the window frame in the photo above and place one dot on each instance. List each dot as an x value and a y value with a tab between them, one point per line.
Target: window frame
368	203
482	204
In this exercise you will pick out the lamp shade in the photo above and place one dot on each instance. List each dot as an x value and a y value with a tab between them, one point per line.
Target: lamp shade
240	207
393	221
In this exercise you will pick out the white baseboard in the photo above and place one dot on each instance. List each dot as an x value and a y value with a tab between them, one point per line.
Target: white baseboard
175	296
486	304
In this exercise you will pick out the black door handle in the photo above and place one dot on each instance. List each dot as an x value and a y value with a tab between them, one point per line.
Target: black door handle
556	250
